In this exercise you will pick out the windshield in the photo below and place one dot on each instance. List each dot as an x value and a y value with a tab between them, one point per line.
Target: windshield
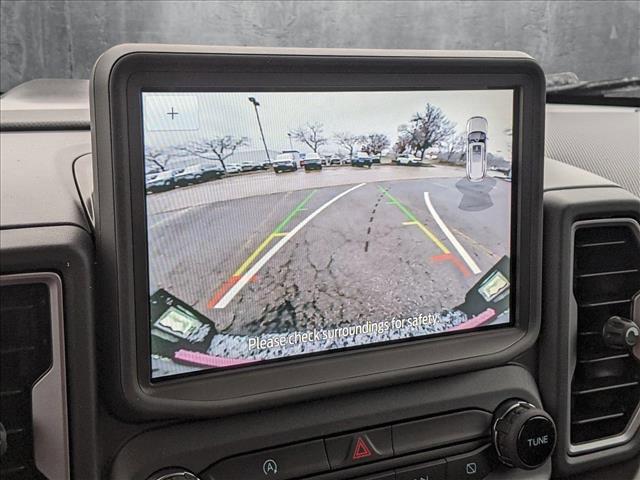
592	40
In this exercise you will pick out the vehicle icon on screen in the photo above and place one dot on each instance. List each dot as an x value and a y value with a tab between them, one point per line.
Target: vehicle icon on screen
477	148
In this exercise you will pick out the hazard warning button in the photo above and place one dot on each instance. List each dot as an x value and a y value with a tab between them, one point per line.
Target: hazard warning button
357	448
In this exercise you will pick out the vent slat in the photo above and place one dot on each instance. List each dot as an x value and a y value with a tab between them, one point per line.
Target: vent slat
605	358
18	469
604	304
602	244
600	418
11	393
25	346
14	350
605	387
610	273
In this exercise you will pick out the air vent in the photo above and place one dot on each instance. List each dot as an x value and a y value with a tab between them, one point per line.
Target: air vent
605	390
25	348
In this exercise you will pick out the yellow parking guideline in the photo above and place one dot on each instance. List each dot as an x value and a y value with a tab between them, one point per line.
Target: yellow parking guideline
275	234
414	221
247	263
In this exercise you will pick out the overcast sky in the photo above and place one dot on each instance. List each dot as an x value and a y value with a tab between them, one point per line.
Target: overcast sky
201	115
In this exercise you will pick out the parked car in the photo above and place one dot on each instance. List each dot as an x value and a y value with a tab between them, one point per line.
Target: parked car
361	160
266	165
335	160
285	166
250	166
285	163
162	181
375	158
188	176
295	156
312	161
233	168
198	174
407	159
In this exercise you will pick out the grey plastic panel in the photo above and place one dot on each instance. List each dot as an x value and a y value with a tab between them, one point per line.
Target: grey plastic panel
36	178
46	104
561	176
604	140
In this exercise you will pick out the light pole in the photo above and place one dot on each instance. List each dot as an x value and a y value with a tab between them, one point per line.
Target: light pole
290	141
256	104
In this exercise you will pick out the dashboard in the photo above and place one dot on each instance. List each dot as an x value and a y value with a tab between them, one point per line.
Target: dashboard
227	263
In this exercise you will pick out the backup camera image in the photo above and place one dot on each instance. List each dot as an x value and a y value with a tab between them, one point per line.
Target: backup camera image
283	224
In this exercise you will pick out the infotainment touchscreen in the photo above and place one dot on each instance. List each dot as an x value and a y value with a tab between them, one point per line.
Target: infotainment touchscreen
286	224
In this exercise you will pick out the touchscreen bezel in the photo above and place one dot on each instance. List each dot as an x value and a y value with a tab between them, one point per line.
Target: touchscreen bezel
121	230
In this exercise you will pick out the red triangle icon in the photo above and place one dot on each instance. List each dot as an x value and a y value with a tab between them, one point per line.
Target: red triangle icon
361	450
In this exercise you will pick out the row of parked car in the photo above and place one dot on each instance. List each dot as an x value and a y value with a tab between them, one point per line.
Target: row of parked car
194	174
291	161
284	162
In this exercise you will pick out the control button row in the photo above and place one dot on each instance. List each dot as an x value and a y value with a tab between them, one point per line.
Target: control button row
468	466
344	451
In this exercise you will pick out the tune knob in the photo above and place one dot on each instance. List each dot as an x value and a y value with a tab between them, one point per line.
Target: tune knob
524	436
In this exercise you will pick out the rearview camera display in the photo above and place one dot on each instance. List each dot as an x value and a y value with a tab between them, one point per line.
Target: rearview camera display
284	224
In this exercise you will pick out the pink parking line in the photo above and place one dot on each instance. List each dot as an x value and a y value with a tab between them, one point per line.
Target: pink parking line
476	321
197	358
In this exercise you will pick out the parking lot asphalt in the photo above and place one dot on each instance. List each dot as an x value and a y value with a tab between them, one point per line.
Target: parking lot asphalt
264	253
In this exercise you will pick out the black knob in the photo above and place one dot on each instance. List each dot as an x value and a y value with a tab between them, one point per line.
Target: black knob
619	332
173	474
524	436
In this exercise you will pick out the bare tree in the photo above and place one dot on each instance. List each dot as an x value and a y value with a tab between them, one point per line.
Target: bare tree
427	129
374	143
312	135
454	144
348	141
403	143
156	157
221	148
